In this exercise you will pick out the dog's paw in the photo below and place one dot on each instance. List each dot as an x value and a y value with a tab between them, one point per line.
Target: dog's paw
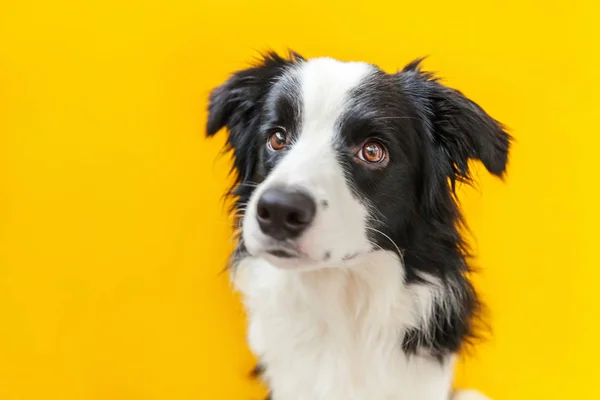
469	395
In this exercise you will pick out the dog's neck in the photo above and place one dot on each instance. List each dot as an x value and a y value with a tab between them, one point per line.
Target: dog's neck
373	284
340	324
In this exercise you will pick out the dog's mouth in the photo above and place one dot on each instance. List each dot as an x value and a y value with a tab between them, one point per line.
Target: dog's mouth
283	253
291	253
290	258
283	250
350	256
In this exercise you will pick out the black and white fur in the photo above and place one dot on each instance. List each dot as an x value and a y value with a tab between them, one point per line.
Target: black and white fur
371	301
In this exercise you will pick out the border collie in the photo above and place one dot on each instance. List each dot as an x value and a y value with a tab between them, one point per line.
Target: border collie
350	256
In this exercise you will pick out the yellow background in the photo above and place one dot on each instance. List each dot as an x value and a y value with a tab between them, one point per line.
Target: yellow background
112	230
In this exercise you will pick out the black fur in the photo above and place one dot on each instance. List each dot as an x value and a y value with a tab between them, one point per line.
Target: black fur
459	131
238	105
431	131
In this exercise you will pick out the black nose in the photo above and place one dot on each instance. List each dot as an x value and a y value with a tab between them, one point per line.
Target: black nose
284	213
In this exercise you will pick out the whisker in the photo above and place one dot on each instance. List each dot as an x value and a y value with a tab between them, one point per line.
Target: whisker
249	184
384	250
400	254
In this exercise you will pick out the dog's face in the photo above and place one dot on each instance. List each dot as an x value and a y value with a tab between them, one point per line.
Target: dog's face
336	160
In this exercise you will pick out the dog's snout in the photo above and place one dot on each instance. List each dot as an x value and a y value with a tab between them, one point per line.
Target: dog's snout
284	213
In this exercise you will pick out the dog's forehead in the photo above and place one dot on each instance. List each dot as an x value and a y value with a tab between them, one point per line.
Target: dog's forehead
327	83
323	88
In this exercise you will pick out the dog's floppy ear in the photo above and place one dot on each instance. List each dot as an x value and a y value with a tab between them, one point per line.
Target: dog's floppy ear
461	129
236	104
232	104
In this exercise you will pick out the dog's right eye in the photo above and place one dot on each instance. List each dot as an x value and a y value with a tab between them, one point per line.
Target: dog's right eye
277	140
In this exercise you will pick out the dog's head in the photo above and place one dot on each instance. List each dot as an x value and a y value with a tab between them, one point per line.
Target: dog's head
337	159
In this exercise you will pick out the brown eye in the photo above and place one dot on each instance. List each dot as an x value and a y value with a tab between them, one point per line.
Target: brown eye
277	140
372	152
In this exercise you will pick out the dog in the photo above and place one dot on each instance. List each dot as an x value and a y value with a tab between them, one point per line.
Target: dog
350	257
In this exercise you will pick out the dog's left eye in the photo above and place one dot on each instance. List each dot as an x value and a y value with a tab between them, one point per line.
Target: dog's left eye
372	152
277	140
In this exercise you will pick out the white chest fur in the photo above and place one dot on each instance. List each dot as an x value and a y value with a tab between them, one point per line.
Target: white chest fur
336	334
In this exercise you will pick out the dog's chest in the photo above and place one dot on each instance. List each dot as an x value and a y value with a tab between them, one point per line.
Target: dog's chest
336	334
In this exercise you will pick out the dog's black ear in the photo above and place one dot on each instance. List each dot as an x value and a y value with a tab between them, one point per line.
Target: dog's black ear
233	104
236	104
461	129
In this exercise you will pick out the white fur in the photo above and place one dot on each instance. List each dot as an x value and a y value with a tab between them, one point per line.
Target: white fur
469	395
334	334
326	328
311	164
